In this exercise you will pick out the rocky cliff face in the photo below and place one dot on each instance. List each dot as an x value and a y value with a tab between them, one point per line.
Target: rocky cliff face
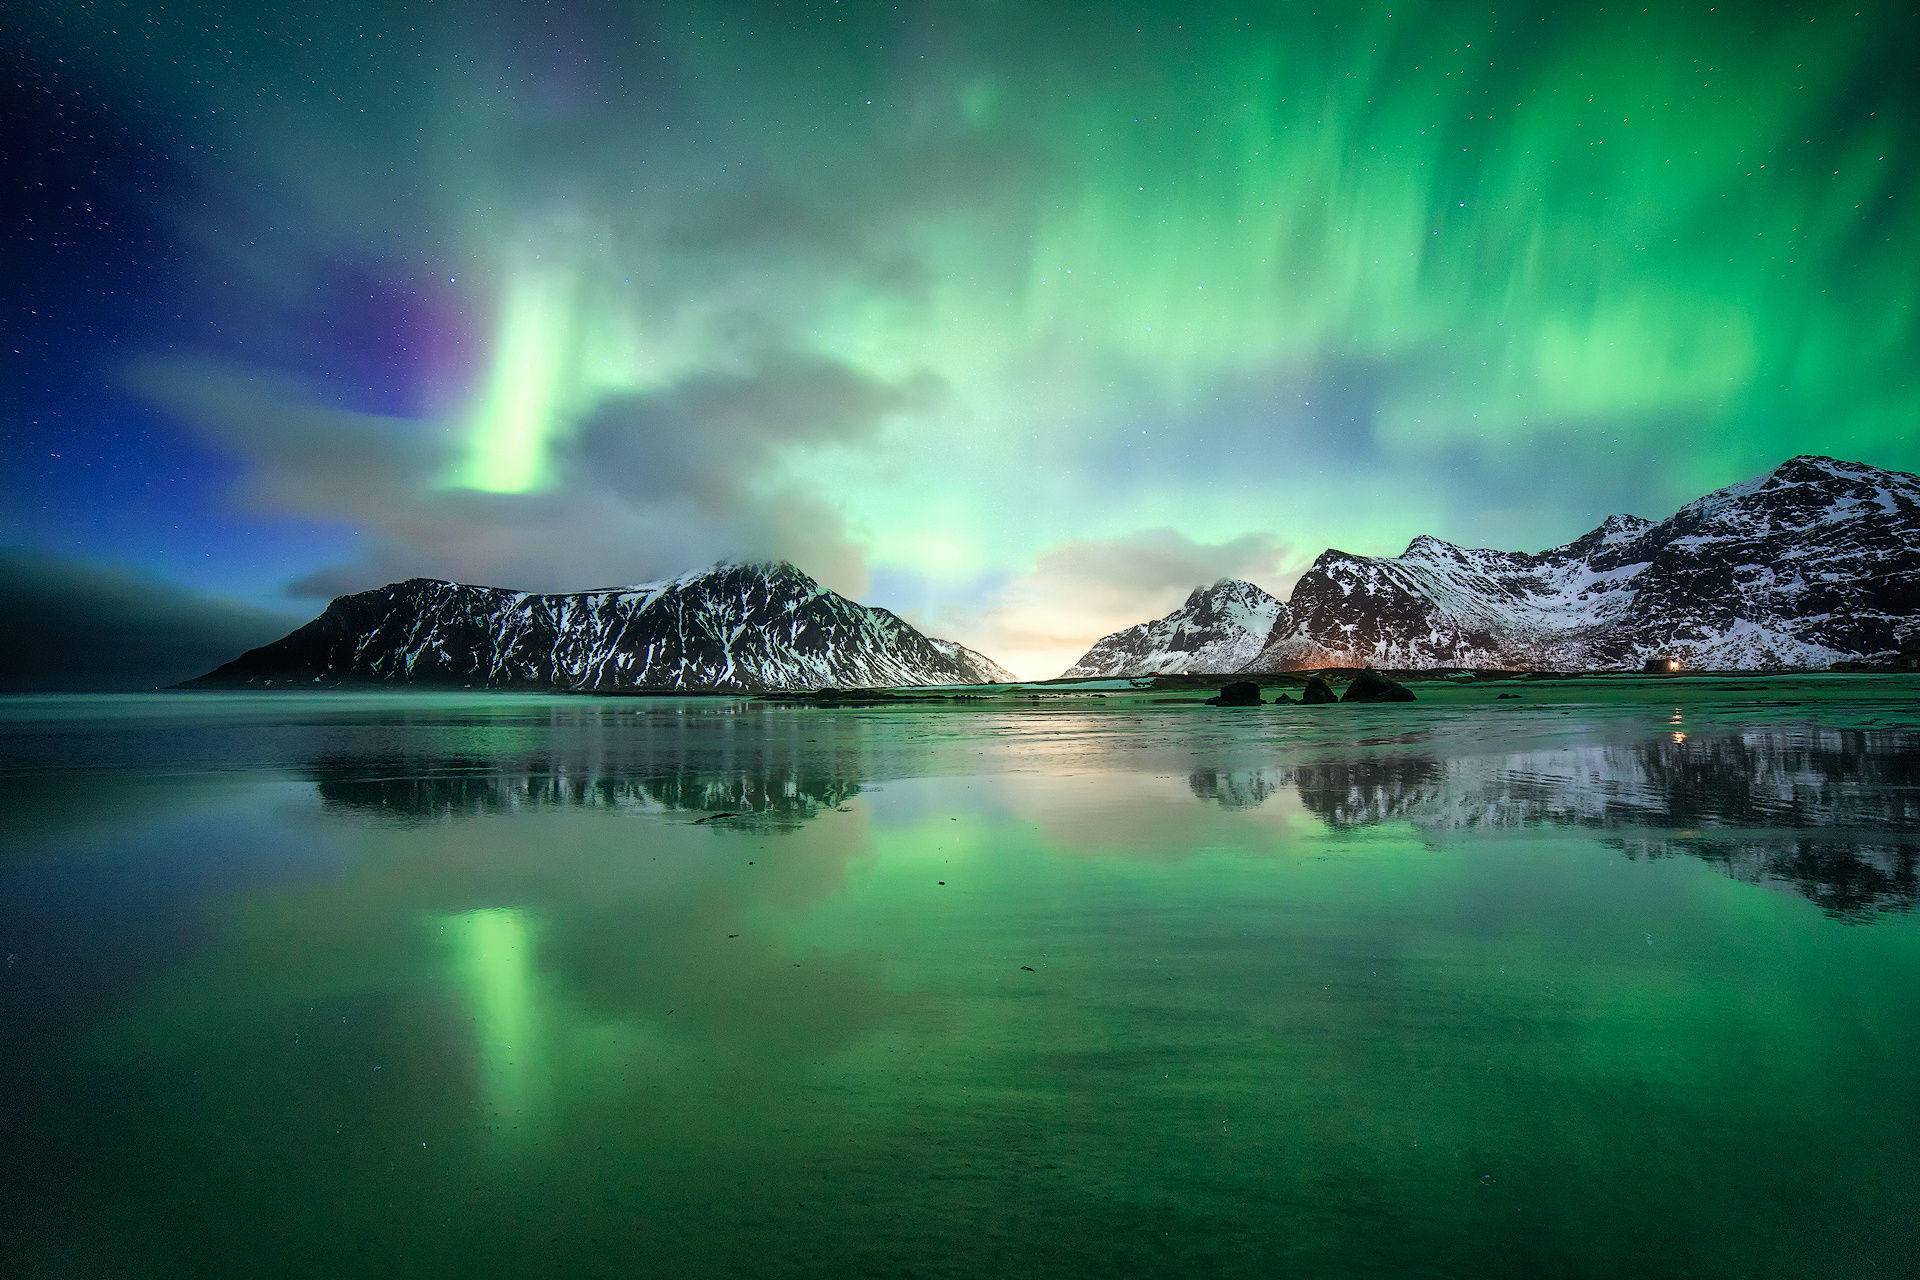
1219	629
1814	562
735	626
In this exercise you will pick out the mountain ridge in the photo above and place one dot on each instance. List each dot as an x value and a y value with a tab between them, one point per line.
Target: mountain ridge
1814	562
736	625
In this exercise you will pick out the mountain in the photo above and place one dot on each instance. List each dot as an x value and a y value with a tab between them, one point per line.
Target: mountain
1219	629
979	668
734	626
1815	562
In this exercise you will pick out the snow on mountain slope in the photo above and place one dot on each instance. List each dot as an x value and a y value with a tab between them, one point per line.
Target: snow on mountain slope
1219	629
1816	561
734	626
986	669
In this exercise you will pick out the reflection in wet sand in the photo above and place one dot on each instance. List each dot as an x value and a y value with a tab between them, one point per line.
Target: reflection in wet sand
1832	815
493	951
780	792
432	987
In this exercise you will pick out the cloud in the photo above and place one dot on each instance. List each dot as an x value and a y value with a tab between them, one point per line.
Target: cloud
704	438
1040	622
649	484
72	625
301	458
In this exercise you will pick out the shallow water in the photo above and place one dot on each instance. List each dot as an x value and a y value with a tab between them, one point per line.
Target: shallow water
1610	978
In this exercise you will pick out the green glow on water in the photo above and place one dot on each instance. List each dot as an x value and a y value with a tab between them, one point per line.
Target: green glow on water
493	951
1470	989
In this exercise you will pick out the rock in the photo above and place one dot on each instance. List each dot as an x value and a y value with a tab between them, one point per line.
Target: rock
1371	686
1241	693
1506	695
1317	690
1284	698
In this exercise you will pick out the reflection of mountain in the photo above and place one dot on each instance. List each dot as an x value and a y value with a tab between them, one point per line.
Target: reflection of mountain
455	787
1835	815
1365	790
1233	789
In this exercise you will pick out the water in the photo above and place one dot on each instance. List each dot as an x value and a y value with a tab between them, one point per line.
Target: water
1612	978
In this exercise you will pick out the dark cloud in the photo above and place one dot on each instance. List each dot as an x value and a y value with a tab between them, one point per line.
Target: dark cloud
302	457
649	485
70	625
706	438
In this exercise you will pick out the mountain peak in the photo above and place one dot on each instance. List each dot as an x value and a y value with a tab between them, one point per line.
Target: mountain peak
1808	481
1231	587
1621	526
1219	627
1427	544
1819	462
416	586
766	568
773	572
1814	468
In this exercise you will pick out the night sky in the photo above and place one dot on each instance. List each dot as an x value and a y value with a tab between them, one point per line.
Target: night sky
1019	318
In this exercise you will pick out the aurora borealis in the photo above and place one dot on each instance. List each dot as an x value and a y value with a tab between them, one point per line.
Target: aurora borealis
1019	319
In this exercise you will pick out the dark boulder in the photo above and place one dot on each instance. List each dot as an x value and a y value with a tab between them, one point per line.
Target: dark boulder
1507	695
1318	690
1284	698
1241	693
1371	686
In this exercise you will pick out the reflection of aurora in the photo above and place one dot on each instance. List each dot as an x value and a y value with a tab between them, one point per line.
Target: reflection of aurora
566	1033
493	957
1835	815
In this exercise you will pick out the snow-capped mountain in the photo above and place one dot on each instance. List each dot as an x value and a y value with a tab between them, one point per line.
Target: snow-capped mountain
734	626
1219	629
1814	562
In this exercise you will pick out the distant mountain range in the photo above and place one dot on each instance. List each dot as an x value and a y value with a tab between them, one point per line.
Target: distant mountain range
1816	562
734	626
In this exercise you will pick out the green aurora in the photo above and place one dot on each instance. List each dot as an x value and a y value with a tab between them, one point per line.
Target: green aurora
955	304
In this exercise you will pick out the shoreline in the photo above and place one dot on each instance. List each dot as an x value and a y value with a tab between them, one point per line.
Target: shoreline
1091	686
